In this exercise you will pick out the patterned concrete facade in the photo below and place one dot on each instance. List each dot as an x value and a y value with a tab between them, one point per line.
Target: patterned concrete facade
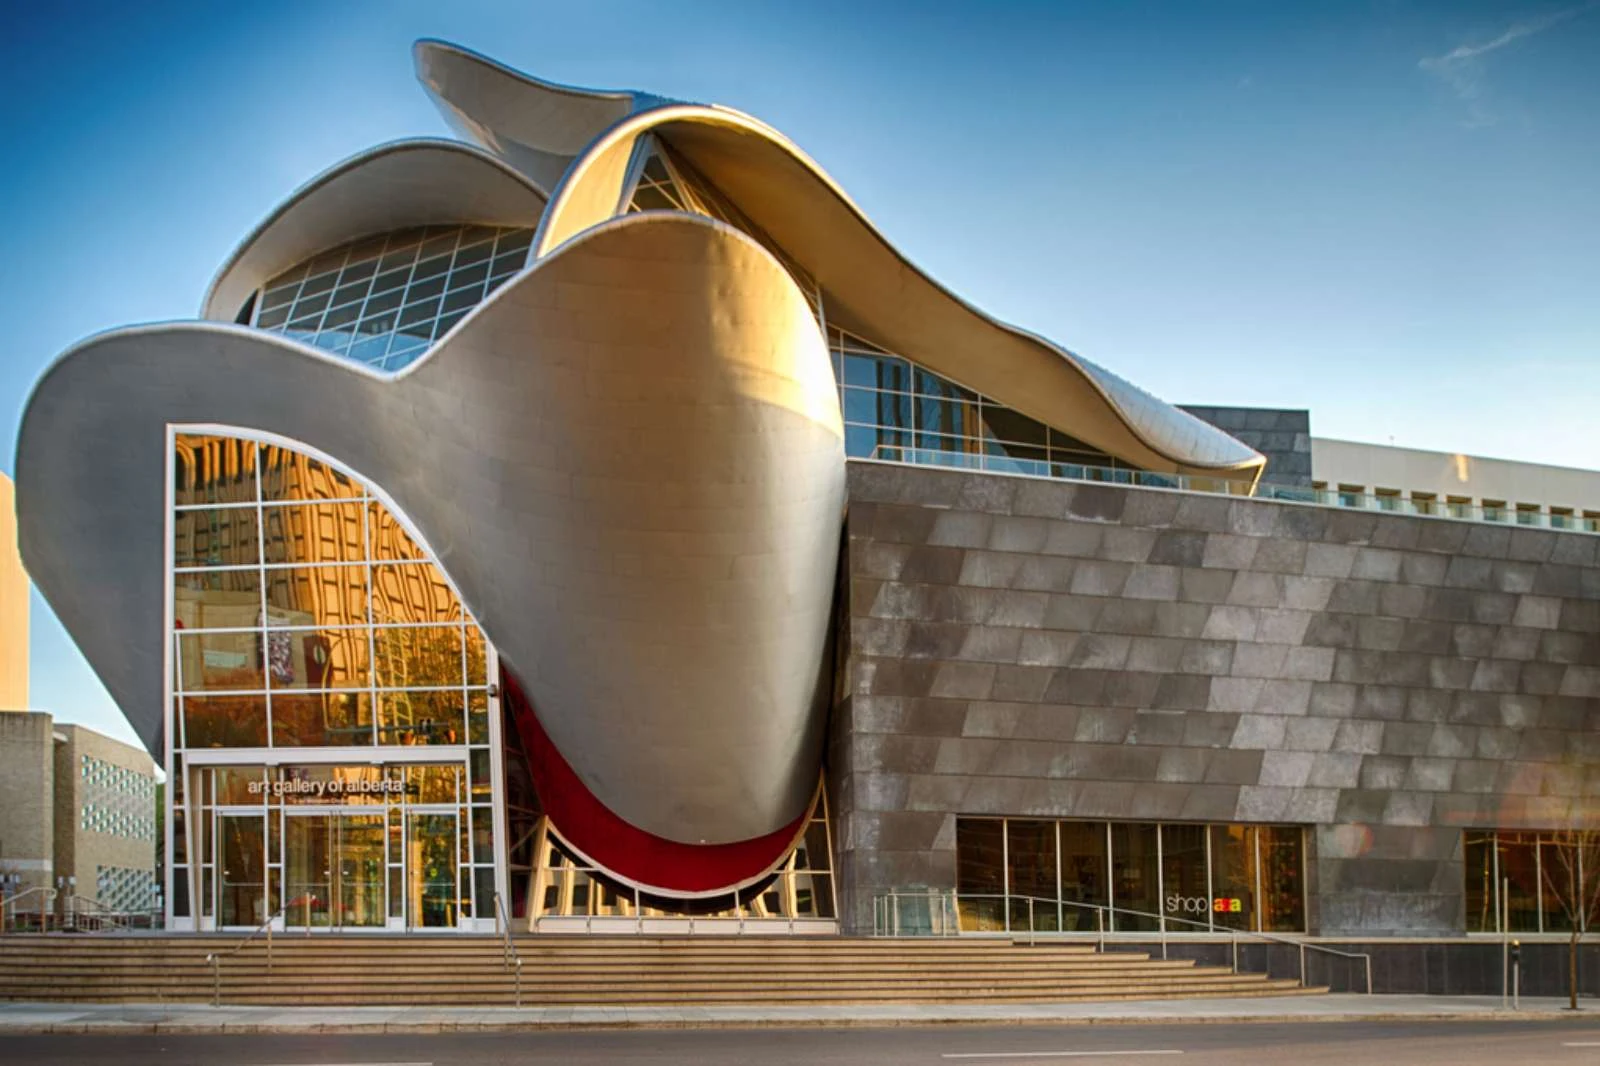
1035	648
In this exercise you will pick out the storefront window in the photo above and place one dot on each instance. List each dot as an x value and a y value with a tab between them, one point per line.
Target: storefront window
1527	882
1282	890
1135	878
1143	875
981	873
1031	875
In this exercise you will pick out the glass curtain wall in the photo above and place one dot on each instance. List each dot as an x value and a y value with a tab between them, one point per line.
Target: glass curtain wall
307	624
385	300
896	410
565	887
1019	874
1522	881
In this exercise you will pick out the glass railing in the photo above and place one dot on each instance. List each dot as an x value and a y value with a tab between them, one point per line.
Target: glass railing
1389	504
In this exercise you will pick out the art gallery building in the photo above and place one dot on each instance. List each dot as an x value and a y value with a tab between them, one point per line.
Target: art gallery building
595	523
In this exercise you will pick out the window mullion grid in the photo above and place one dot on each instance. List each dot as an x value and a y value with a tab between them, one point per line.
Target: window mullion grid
1161	875
1255	838
1005	871
372	630
1111	883
405	297
261	579
1211	888
1538	879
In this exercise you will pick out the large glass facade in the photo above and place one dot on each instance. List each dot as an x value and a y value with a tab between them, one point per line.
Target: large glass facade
1522	881
1019	874
308	626
384	300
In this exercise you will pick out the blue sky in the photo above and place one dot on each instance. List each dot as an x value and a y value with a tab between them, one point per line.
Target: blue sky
1382	211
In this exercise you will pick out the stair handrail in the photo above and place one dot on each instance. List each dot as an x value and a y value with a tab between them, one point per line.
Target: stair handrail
1101	912
99	911
214	959
510	956
47	899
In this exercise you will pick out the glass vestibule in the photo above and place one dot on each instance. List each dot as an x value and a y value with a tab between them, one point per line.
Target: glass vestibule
337	847
1044	875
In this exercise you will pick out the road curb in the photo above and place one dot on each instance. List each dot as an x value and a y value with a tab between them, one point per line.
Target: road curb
191	1028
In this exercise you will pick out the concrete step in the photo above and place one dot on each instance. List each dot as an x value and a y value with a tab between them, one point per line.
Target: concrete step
464	971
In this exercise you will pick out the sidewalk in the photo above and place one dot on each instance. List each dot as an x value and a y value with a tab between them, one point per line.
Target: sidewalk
189	1018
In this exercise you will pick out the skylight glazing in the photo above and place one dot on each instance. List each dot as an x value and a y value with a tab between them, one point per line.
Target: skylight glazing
385	300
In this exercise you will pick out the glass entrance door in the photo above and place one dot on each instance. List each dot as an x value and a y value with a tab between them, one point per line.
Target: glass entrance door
334	870
432	892
242	883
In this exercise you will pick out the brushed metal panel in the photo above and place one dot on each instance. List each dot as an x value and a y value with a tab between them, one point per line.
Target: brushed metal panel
405	183
629	460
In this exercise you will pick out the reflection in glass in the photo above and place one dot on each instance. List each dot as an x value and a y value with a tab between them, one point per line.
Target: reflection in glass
1233	876
317	596
412	592
312	532
1084	874
1185	893
1135	877
1478	865
1282	892
418	656
215	536
219	662
321	719
432	863
409	718
320	658
225	721
288	476
981	873
212	470
1031	873
242	882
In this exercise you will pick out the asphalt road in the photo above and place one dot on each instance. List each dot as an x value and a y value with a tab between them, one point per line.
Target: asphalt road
1303	1044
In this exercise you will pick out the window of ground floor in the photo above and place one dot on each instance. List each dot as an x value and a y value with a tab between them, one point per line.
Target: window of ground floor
336	846
1048	875
1531	882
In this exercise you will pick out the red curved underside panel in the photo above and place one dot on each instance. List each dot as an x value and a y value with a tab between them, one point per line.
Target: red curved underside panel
623	849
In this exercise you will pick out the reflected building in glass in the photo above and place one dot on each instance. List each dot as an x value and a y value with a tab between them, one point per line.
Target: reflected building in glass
596	524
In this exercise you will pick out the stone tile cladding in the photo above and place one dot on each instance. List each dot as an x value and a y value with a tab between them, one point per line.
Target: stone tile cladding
1282	435
1034	648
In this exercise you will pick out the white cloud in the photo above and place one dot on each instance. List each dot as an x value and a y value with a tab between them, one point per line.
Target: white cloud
1462	68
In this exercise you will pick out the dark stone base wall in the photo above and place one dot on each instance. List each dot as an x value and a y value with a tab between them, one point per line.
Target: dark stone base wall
1435	968
1282	435
1025	647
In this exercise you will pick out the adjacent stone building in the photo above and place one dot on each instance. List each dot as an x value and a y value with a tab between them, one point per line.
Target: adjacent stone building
77	812
1047	650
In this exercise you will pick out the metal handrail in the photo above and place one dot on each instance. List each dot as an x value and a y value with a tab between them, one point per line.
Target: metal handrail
106	915
1102	911
511	957
215	958
47	899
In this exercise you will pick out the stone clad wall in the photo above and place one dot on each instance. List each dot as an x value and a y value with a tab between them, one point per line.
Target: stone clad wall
1282	435
1036	648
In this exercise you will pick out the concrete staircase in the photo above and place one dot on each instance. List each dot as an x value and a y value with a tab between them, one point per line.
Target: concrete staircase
593	970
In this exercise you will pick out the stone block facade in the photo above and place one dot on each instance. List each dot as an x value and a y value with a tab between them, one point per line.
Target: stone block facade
1283	435
1026	647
